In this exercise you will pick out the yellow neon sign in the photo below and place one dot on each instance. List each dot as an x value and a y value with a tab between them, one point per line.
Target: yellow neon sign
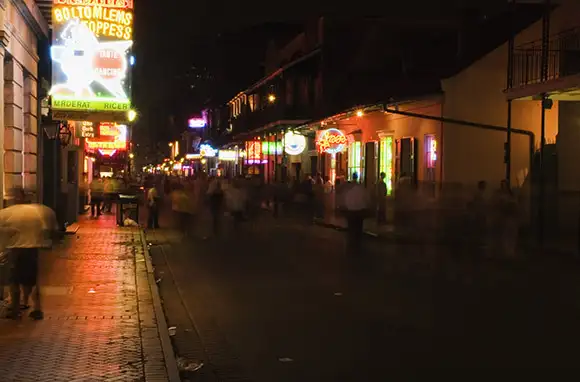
102	21
116	145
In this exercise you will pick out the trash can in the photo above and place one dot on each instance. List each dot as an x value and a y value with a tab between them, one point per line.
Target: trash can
127	207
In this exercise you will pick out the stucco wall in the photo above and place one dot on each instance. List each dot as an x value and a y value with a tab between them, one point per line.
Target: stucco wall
476	95
373	125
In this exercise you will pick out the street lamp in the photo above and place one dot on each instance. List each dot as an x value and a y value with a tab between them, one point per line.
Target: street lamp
58	131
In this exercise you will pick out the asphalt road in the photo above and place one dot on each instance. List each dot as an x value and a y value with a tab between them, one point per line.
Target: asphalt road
281	302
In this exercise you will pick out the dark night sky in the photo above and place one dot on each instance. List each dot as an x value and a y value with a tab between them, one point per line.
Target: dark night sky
225	41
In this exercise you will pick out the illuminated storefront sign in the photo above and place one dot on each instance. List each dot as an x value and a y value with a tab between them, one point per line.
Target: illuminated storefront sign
196	123
112	138
91	54
331	141
254	153
227	155
192	156
207	151
88	129
272	148
294	144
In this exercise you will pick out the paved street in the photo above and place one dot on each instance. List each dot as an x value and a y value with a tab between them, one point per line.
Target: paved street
282	303
99	320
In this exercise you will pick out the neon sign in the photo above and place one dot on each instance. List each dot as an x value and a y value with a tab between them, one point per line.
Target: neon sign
112	138
254	150
227	155
196	123
107	152
331	141
91	47
294	144
207	151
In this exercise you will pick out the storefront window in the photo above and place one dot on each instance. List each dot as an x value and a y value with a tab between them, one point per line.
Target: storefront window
354	160
386	162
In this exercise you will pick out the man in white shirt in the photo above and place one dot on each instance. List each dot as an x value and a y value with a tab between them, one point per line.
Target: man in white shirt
25	229
355	203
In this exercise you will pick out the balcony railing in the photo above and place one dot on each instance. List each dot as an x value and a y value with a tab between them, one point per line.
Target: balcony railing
563	59
259	119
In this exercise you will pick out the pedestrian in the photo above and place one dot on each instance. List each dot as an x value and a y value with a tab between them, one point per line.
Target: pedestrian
215	195
97	192
236	201
180	204
382	200
355	204
26	229
153	206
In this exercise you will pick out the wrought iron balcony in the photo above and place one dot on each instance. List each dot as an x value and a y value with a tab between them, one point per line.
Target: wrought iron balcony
563	59
270	117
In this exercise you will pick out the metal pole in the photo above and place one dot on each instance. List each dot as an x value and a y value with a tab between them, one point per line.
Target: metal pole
544	76
510	84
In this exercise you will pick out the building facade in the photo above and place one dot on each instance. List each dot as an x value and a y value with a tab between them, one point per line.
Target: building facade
23	29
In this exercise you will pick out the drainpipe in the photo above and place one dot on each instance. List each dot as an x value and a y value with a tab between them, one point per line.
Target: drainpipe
483	126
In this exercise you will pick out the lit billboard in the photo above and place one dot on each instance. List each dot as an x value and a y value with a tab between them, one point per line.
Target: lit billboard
111	138
91	59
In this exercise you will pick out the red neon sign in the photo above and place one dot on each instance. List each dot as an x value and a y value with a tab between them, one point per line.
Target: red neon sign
331	141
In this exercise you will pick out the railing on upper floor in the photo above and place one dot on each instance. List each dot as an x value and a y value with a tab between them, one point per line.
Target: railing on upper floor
563	59
253	120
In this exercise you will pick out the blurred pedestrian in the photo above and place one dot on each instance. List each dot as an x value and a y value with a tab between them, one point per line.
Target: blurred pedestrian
355	205
181	202
26	228
97	193
153	206
215	195
236	202
382	199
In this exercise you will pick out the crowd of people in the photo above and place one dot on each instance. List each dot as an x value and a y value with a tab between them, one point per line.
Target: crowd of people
488	218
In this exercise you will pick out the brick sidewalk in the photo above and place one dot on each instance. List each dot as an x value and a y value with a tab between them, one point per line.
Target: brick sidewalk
100	322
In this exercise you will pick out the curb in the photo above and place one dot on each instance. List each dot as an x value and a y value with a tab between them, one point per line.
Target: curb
166	346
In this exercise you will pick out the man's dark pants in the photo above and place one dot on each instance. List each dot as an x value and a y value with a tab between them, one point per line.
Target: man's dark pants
24	273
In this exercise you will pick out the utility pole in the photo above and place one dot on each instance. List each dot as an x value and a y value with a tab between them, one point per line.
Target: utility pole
544	78
510	84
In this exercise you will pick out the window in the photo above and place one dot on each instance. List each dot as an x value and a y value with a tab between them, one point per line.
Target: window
386	162
253	102
354	160
431	155
431	151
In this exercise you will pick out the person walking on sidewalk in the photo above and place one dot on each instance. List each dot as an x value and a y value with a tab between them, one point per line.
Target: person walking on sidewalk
97	193
153	206
355	206
26	229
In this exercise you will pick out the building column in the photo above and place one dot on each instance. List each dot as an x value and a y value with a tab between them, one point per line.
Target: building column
30	134
566	192
13	125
